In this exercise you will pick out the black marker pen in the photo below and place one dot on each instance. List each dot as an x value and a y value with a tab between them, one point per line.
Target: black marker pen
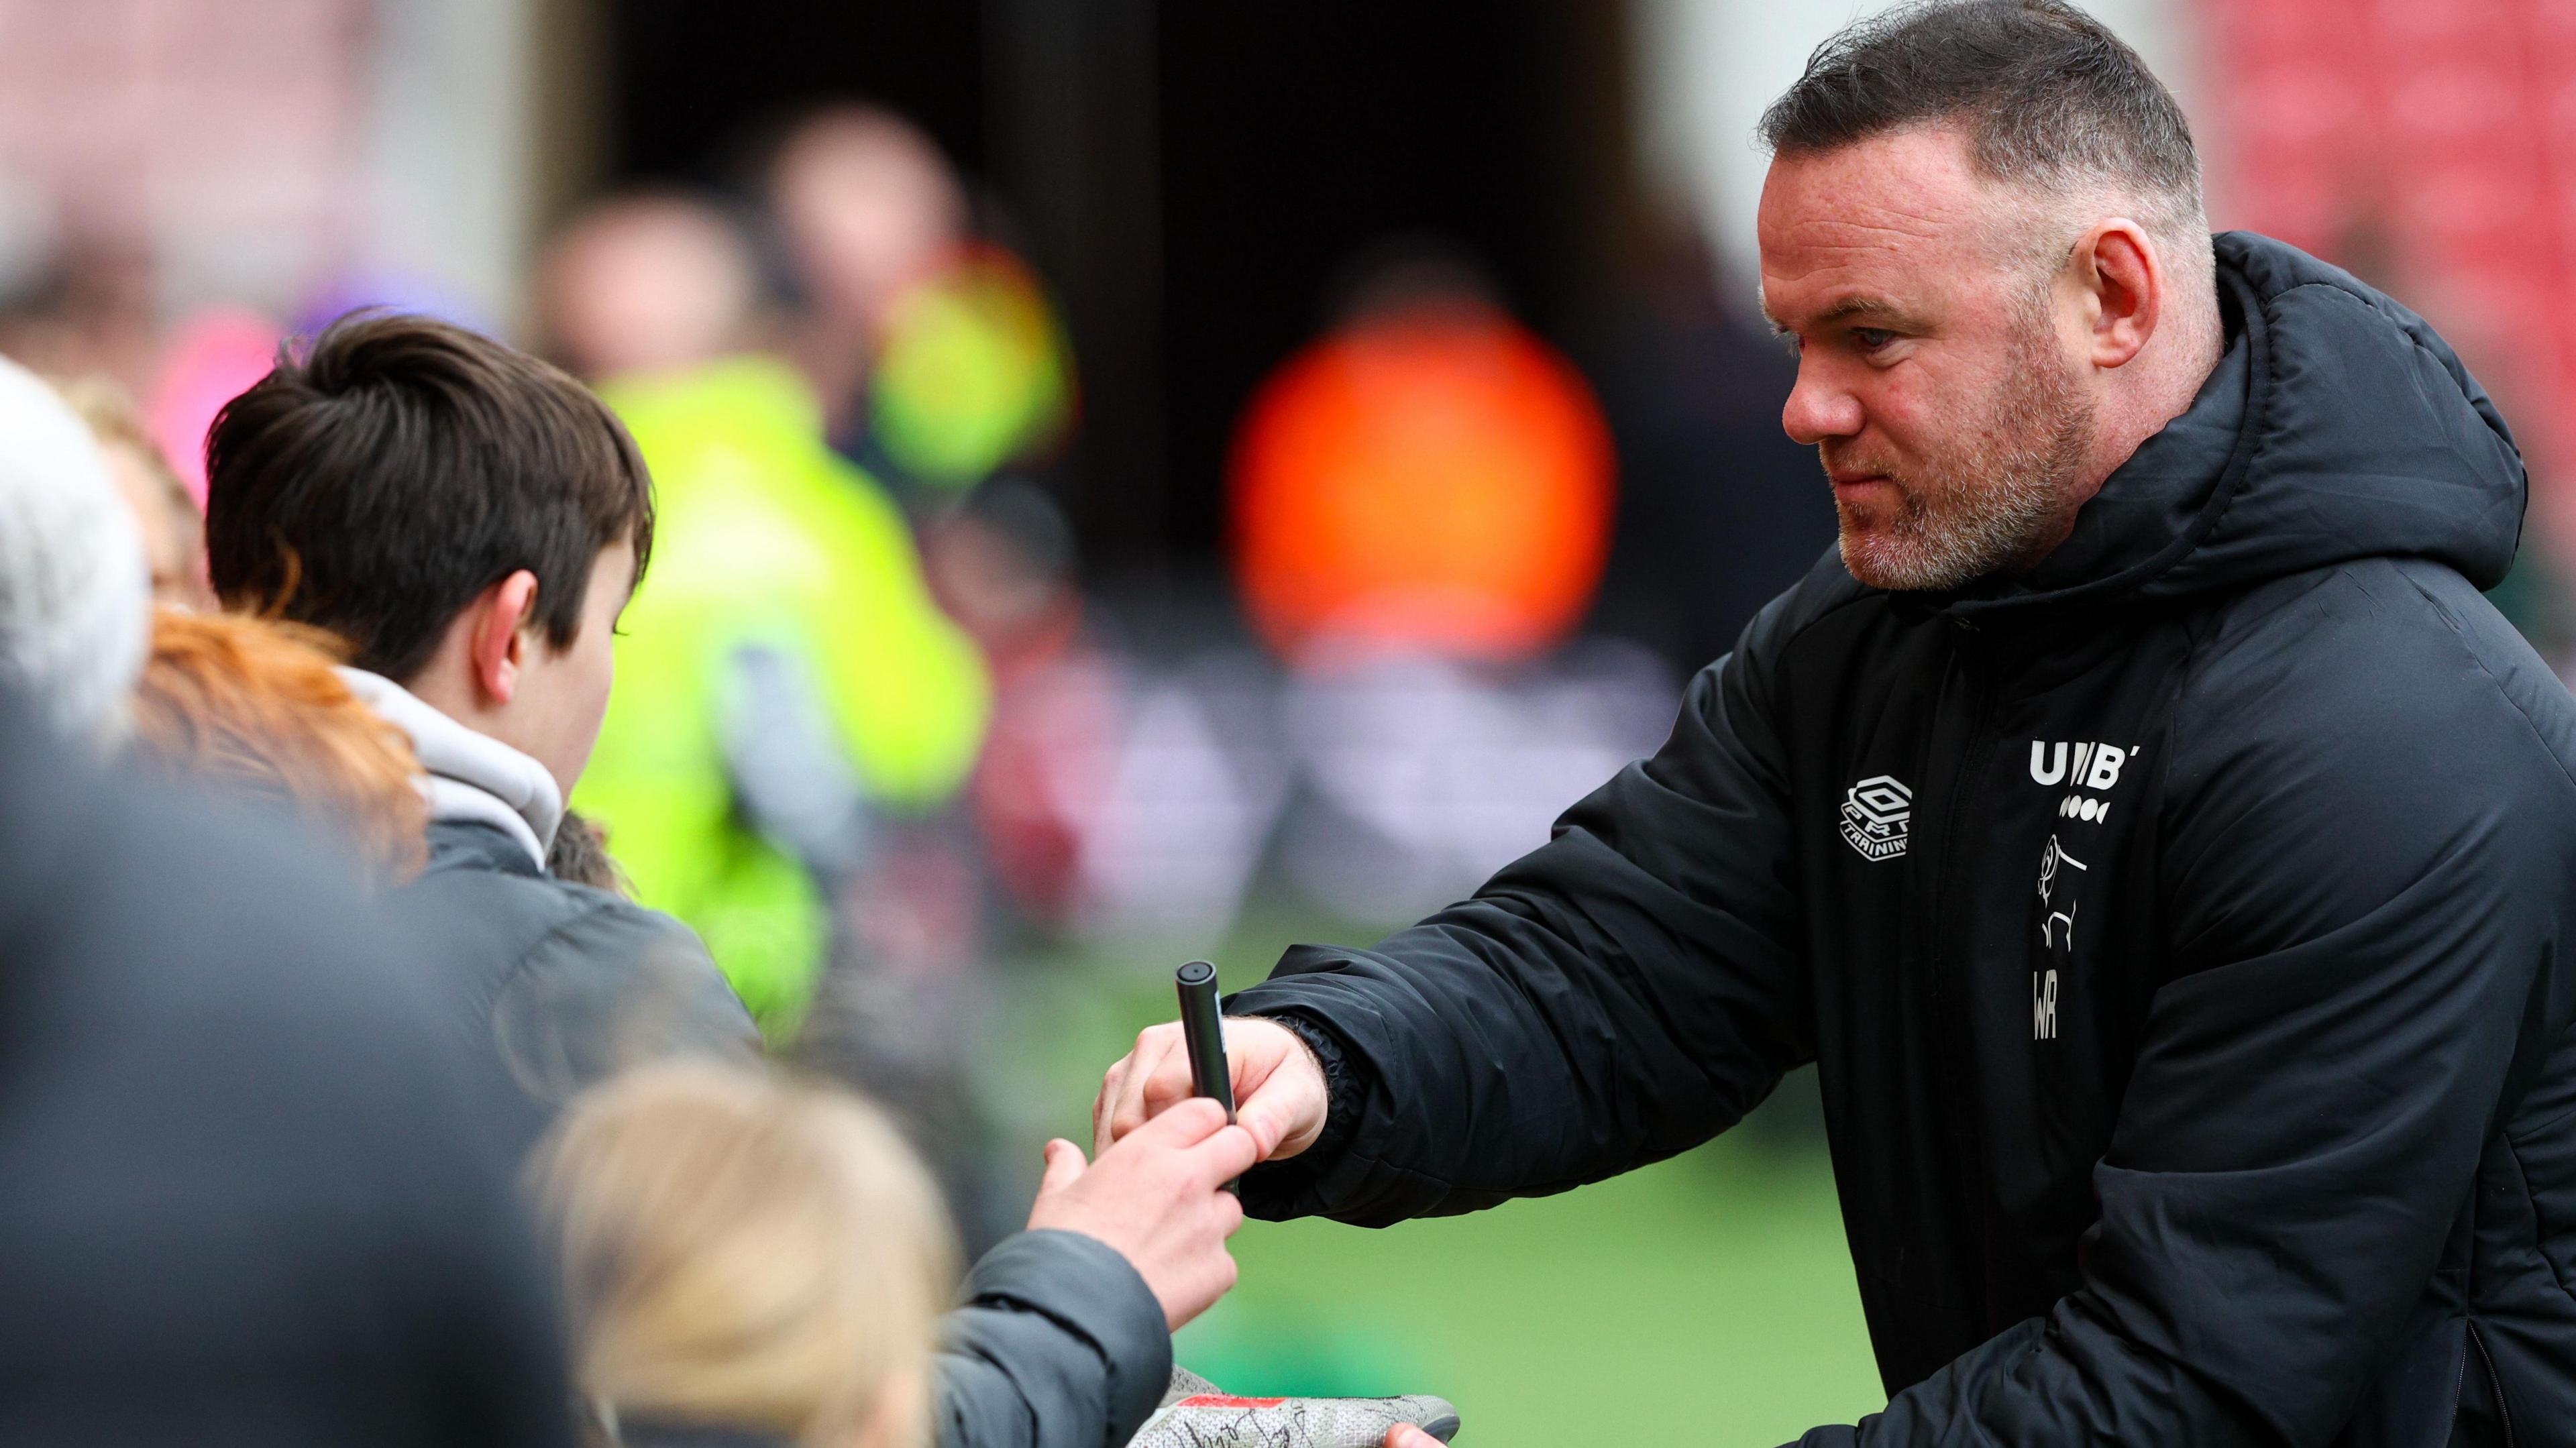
1203	1030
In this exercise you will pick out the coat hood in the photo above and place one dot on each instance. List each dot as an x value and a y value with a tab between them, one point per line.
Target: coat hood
2337	426
465	776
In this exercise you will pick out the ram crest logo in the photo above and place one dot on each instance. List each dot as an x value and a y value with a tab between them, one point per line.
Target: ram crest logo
1875	812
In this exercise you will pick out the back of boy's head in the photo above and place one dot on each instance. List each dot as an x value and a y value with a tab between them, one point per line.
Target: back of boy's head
377	481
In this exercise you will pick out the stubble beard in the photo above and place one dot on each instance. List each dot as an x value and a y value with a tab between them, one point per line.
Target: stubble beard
1994	499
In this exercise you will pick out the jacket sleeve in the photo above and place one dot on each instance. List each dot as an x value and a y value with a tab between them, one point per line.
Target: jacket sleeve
1060	1345
1619	995
2364	876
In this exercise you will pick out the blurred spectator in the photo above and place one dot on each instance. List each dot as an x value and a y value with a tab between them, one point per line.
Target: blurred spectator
247	1198
937	356
211	356
785	681
867	208
258	705
174	528
740	1254
645	283
385	289
751	1260
469	520
1430	477
1002	566
75	588
90	310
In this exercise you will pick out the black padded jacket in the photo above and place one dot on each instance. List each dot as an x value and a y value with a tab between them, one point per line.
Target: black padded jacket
1058	1343
555	985
2181	932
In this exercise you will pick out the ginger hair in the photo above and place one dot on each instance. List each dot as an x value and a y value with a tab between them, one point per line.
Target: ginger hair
255	702
743	1251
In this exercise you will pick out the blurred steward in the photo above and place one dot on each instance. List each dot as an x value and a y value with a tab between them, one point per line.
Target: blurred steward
1002	566
1429	477
174	527
648	283
748	1260
468	521
75	587
786	678
258	706
936	354
248	1198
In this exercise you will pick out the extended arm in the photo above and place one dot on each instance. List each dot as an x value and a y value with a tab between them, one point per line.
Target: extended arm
1617	996
1060	1344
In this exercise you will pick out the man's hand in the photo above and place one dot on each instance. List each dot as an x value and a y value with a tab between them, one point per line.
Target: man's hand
1405	1435
1154	1199
1279	1093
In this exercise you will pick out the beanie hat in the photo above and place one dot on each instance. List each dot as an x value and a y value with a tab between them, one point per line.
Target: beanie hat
75	586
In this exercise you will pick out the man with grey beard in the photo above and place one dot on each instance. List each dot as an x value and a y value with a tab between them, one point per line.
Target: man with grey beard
2158	845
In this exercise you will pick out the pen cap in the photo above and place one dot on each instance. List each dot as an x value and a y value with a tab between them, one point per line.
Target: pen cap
1203	1031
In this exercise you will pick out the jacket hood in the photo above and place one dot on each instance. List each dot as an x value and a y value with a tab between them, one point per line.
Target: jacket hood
466	776
2337	426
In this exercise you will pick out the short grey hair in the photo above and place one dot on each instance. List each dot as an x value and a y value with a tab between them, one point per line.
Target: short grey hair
2048	98
75	585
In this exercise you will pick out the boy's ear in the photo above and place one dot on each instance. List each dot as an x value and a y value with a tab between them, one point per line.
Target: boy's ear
498	650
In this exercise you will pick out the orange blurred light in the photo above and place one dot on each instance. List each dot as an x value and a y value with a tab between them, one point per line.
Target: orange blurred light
1434	481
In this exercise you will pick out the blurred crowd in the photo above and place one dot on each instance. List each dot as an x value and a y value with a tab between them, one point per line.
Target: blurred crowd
872	745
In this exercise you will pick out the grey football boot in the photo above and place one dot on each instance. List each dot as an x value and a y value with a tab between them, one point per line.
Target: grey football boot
1195	1414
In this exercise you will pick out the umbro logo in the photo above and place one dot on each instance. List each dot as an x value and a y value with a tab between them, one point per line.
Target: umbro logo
1875	816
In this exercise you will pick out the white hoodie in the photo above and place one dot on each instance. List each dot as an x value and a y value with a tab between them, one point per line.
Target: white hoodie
468	776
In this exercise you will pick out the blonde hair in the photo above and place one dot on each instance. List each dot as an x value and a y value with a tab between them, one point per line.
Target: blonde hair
257	702
176	528
743	1251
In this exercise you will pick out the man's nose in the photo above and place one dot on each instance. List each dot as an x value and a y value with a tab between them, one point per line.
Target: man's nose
1818	410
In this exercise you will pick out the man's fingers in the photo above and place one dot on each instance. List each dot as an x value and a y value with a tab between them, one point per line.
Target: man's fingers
1106	1104
1405	1435
1128	1110
1187	1124
1112	1086
1269	1120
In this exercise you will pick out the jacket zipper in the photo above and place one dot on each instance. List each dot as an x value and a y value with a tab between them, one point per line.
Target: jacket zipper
1974	670
2495	1383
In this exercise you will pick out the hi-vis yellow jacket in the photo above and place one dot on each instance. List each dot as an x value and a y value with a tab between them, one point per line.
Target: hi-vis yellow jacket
766	539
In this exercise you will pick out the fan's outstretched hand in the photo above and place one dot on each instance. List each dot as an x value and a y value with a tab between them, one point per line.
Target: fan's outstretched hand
1155	1199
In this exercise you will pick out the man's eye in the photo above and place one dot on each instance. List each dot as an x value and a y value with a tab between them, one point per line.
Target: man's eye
1870	339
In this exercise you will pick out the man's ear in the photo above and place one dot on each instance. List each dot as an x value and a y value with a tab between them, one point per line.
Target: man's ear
497	647
2124	281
